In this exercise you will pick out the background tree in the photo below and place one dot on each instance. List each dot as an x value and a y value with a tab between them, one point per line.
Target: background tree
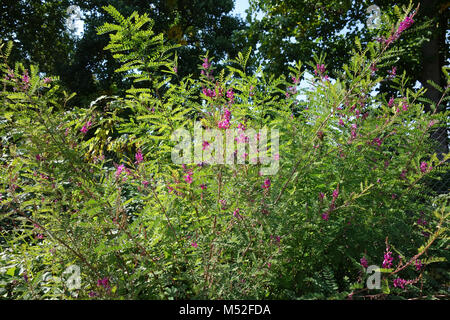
39	32
41	37
291	30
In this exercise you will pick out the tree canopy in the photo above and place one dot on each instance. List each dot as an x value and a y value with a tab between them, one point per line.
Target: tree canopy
41	37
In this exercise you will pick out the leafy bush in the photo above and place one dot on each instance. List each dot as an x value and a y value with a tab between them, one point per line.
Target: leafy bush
96	187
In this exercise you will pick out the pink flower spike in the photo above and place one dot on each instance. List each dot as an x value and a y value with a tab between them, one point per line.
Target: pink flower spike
266	184
335	194
139	157
26	78
230	94
119	170
85	128
188	178
391	102
405	24
423	167
363	262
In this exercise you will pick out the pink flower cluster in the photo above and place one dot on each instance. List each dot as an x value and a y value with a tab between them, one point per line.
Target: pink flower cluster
230	95
401	283
320	70
387	262
85	128
206	65
119	170
103	283
209	92
139	157
364	262
424	167
266	184
418	264
236	214
225	122
188	177
405	24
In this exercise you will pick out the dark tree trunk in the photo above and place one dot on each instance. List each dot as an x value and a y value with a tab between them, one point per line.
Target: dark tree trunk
432	61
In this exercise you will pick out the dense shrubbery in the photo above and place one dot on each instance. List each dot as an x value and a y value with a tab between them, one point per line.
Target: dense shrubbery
96	187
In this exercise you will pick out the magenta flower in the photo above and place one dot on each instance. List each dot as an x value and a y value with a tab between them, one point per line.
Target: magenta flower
363	262
377	141
400	283
266	184
321	196
26	78
47	80
335	194
227	114
85	128
194	244
188	178
205	145
236	213
405	106
139	157
387	262
341	122
119	170
92	294
206	64
230	94
325	216
209	92
405	24
319	69
422	222
418	264
203	186
424	167
391	102
225	123
145	183
103	283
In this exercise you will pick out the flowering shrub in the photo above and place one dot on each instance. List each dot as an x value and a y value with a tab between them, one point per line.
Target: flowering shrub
96	187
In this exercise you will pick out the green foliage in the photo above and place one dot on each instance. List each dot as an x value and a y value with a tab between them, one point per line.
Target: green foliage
96	187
